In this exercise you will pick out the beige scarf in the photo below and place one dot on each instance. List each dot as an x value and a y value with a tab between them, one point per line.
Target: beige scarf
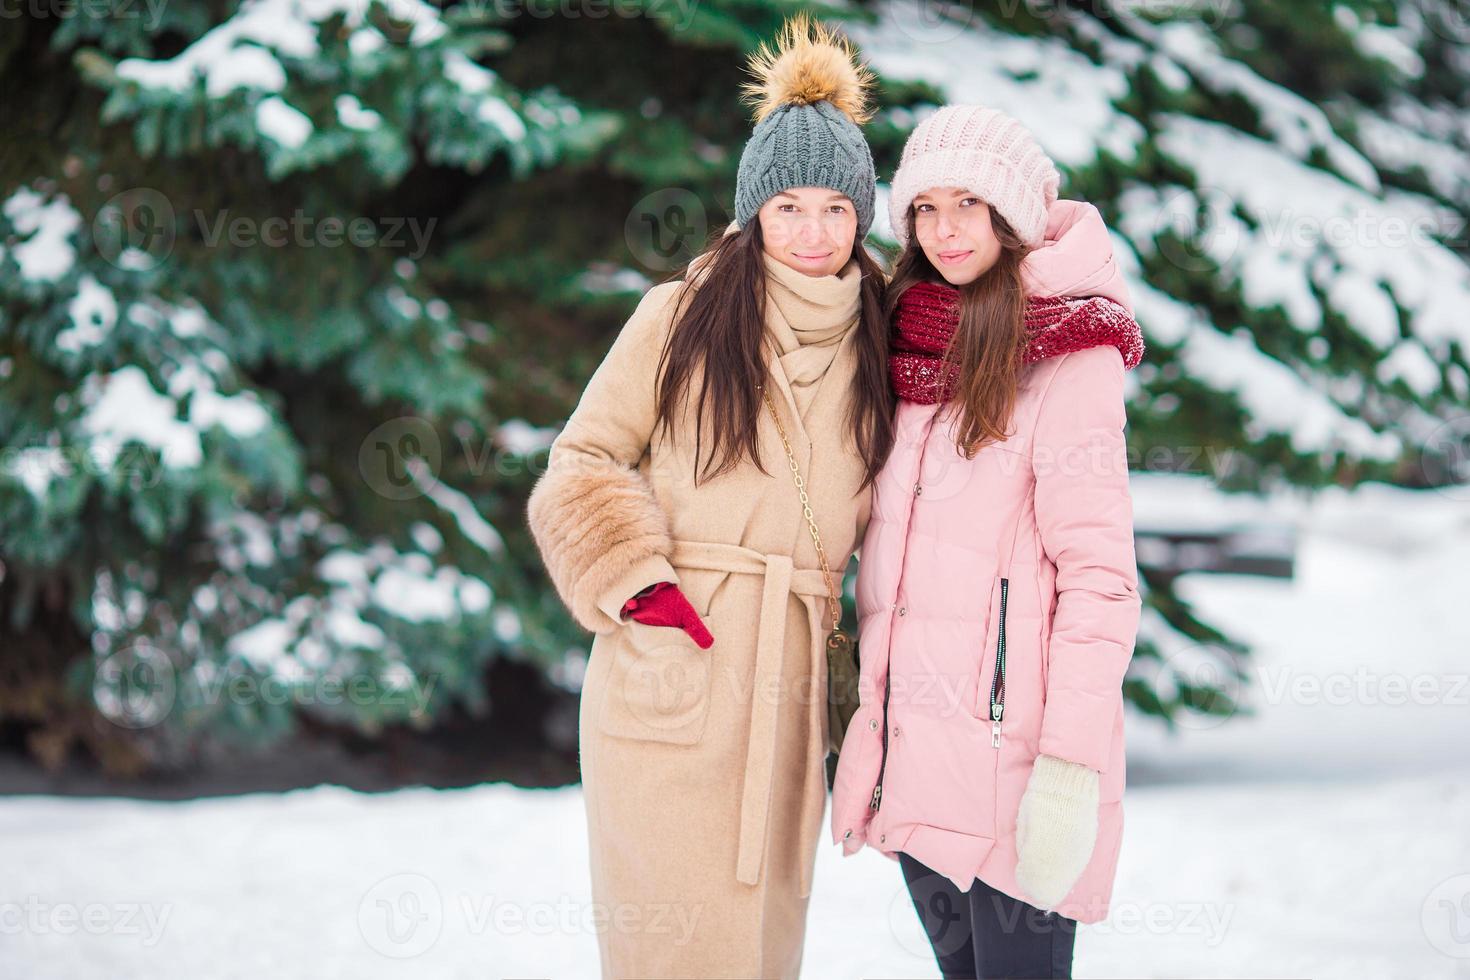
808	318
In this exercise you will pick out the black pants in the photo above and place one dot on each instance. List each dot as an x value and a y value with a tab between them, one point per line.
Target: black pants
985	934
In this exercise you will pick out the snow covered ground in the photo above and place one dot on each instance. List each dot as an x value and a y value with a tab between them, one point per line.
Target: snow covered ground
1326	836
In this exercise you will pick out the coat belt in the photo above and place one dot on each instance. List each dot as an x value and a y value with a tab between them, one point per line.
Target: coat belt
781	577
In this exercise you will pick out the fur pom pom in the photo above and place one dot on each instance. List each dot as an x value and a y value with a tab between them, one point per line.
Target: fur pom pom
808	64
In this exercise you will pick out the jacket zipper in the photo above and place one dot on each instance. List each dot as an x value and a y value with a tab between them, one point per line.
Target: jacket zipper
877	799
998	683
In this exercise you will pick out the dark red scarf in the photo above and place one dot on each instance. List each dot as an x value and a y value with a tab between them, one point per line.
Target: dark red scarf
928	313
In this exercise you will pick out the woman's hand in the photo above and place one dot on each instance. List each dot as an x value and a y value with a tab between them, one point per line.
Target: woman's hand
664	604
1056	829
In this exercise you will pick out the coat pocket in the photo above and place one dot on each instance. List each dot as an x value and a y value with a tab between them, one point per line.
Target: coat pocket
658	686
701	586
988	658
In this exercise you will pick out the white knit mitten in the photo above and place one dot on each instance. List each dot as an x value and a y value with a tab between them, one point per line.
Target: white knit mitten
1056	829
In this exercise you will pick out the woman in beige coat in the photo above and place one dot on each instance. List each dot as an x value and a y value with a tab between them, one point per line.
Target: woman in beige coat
703	769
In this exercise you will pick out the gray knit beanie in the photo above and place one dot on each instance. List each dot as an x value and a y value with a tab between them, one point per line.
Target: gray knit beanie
811	99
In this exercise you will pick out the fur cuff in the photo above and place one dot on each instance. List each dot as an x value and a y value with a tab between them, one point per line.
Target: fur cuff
602	536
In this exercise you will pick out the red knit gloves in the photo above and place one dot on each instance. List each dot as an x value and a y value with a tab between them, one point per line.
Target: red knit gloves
664	605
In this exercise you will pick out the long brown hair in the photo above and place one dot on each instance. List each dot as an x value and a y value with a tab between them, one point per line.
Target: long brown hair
984	354
724	325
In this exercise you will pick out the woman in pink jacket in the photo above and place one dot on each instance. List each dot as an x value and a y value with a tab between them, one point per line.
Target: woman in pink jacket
997	593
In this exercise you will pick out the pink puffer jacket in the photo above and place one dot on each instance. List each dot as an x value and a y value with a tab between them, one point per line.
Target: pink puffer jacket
1017	563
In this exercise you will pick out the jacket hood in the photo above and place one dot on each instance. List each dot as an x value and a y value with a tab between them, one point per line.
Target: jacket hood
1076	257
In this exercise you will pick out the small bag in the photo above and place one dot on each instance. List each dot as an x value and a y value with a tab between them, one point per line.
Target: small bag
842	656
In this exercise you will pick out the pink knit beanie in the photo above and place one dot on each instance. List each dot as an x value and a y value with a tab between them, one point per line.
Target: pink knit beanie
984	151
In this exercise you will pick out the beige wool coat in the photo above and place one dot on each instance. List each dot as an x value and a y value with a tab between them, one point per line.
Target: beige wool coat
703	770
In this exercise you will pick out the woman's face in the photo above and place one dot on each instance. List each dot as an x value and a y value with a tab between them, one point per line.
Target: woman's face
810	229
953	228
